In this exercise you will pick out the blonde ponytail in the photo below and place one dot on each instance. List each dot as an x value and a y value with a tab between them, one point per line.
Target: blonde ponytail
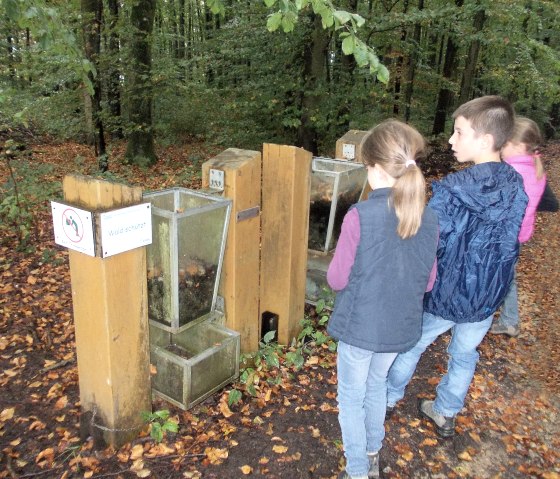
409	199
396	147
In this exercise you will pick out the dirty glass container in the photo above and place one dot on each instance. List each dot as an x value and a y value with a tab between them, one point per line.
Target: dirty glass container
184	261
194	363
335	186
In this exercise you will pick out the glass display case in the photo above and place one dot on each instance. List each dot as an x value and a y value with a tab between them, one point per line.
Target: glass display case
184	261
335	186
194	363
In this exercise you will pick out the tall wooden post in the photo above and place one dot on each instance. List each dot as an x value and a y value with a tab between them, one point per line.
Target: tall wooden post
348	146
111	322
286	180
240	274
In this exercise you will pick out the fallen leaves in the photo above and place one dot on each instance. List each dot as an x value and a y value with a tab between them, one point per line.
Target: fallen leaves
216	455
7	414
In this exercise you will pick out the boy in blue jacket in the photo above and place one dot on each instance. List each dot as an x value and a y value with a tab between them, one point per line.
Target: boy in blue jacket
479	210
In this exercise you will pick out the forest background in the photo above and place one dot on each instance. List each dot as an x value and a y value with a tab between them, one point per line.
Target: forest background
88	85
237	73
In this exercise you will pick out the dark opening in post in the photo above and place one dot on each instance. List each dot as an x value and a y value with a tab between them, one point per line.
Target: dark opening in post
269	322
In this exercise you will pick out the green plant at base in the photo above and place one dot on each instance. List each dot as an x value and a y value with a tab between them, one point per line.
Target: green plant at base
271	355
160	424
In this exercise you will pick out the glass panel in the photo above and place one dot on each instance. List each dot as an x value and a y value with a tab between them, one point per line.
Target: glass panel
158	257
164	201
169	377
325	172
350	186
185	255
199	247
322	185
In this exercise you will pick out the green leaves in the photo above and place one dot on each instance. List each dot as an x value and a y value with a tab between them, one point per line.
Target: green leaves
160	424
216	7
348	23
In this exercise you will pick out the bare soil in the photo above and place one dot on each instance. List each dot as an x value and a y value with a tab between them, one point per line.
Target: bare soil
509	427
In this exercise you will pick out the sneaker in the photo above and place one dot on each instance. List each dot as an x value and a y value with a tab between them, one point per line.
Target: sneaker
499	328
345	475
389	410
445	426
373	459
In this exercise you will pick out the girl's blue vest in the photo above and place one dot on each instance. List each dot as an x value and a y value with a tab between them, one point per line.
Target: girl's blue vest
381	307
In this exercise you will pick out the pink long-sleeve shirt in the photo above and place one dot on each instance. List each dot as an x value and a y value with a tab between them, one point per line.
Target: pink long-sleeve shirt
340	267
534	188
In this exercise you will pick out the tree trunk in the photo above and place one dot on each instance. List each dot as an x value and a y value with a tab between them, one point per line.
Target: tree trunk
399	69
140	148
472	59
445	95
92	11
113	92
411	65
314	75
345	78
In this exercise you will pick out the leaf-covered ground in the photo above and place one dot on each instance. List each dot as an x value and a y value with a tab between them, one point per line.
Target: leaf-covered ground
508	429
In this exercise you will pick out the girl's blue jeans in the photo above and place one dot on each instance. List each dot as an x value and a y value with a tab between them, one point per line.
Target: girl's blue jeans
362	400
463	357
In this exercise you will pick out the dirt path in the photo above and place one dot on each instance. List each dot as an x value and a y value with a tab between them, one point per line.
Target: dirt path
508	429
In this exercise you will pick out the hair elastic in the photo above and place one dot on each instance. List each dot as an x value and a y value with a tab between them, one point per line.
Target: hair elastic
409	162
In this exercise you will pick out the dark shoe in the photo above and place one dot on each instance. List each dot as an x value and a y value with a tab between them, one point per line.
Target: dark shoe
499	328
389	412
445	426
373	459
344	475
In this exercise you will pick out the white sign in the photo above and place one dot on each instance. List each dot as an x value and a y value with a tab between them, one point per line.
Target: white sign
73	228
348	151
216	179
125	229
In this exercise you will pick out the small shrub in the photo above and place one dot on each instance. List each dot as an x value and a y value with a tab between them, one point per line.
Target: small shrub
160	424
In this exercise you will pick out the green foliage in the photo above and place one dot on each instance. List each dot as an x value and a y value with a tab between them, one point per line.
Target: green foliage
160	424
346	23
25	195
269	361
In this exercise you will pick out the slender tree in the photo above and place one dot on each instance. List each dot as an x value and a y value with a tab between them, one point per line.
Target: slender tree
445	95
471	62
113	73
92	12
140	147
314	74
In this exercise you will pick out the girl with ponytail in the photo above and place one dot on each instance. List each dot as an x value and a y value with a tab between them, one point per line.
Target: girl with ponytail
521	152
383	263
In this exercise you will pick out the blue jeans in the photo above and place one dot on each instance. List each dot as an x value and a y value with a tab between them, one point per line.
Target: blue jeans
362	400
463	356
510	309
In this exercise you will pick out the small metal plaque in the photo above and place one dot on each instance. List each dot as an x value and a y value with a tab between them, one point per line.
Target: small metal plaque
248	213
216	179
348	151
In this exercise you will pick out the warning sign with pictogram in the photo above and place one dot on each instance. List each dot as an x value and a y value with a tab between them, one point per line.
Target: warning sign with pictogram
73	228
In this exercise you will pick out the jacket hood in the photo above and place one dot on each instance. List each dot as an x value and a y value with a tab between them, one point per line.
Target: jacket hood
486	190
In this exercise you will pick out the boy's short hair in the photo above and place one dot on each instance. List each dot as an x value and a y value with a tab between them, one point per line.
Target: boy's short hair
491	115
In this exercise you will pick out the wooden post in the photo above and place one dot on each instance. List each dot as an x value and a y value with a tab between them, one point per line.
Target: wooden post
348	146
111	322
286	180
352	141
240	274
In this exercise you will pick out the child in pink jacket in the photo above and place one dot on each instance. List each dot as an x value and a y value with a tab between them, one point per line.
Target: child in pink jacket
521	153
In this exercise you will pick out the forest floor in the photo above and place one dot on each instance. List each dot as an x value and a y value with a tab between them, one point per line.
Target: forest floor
509	428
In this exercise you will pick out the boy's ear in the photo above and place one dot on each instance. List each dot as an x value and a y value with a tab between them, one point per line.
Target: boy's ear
487	142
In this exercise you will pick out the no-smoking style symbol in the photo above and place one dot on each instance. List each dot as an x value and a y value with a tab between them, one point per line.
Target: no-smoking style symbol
72	225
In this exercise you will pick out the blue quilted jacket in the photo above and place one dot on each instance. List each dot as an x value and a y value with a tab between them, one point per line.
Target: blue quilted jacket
479	210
